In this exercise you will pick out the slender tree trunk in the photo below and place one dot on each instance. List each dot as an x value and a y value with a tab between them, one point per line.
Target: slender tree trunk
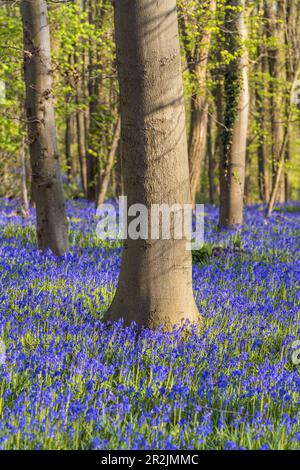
96	17
278	174
68	144
282	151
291	35
275	29
212	164
68	132
25	203
261	105
197	141
93	90
52	226
287	159
110	163
81	128
81	144
155	284
81	149
223	162
197	64
234	138
248	180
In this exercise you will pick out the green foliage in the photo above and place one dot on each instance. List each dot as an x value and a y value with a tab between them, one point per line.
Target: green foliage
85	81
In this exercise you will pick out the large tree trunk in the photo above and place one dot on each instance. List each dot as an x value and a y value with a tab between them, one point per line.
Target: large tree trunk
119	180
52	226
234	138
155	284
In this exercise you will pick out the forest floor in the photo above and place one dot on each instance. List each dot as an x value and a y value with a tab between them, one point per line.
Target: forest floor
67	382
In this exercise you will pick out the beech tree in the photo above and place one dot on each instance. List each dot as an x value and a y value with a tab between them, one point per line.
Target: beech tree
155	284
274	13
52	226
234	129
197	61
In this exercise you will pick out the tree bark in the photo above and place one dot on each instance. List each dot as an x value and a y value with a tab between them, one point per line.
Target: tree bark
155	284
248	193
197	142
119	180
68	144
81	143
93	90
292	53
261	105
197	65
234	136
52	226
25	203
275	29
212	163
110	163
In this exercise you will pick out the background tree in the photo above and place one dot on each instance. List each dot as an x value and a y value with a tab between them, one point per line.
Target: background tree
197	22
52	226
235	126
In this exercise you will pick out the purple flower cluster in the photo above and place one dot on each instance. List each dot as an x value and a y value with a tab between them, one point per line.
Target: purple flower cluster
69	382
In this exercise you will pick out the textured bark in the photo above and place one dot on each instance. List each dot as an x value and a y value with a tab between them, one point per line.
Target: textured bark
234	136
110	163
119	180
155	284
52	227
